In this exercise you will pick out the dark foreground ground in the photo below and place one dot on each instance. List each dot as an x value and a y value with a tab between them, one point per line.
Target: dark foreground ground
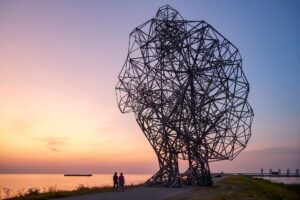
231	187
140	193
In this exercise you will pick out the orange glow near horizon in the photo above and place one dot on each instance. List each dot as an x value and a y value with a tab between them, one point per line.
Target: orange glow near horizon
48	126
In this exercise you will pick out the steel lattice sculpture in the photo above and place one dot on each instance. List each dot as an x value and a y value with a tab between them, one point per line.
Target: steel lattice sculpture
184	82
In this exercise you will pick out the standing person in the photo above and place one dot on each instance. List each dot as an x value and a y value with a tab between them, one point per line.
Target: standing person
115	179
121	182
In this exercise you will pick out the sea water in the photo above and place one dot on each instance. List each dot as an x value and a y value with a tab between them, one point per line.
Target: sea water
20	183
285	180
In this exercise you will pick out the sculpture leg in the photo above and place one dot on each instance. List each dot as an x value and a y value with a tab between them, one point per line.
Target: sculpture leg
200	173
168	174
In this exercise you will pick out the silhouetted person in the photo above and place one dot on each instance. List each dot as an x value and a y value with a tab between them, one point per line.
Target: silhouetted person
116	185
121	182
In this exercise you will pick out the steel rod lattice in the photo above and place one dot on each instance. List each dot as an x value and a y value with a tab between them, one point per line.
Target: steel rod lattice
184	82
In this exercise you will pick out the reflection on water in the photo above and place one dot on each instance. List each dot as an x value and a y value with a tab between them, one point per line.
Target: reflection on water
22	182
285	180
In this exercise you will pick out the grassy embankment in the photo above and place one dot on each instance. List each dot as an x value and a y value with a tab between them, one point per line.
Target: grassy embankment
52	192
243	188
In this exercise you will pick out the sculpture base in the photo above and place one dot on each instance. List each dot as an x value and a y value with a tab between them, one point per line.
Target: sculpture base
197	174
164	179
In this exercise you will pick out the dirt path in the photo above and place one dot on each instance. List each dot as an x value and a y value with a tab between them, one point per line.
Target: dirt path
145	193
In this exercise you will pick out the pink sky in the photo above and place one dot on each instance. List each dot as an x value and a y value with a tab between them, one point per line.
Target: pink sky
59	63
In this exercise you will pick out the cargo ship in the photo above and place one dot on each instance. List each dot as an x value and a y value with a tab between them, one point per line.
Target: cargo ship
78	174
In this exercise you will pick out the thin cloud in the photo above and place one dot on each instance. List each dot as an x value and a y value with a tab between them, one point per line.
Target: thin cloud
19	126
55	144
22	127
104	130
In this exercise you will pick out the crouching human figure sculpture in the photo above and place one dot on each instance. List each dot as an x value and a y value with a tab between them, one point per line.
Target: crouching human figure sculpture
184	82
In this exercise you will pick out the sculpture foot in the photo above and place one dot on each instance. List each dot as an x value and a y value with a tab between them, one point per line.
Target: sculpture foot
163	178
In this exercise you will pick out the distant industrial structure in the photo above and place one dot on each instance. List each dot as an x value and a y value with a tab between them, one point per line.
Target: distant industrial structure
271	173
287	173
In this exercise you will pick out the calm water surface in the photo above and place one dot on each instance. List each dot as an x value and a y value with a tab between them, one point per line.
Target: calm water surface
285	180
22	182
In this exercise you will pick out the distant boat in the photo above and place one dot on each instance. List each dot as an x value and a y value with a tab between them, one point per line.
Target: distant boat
78	175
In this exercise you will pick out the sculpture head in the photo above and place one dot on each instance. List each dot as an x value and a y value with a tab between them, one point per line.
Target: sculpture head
184	81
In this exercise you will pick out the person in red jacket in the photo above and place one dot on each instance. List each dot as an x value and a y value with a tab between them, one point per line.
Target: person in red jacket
121	182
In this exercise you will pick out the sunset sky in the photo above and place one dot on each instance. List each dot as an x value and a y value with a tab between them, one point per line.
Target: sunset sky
59	62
